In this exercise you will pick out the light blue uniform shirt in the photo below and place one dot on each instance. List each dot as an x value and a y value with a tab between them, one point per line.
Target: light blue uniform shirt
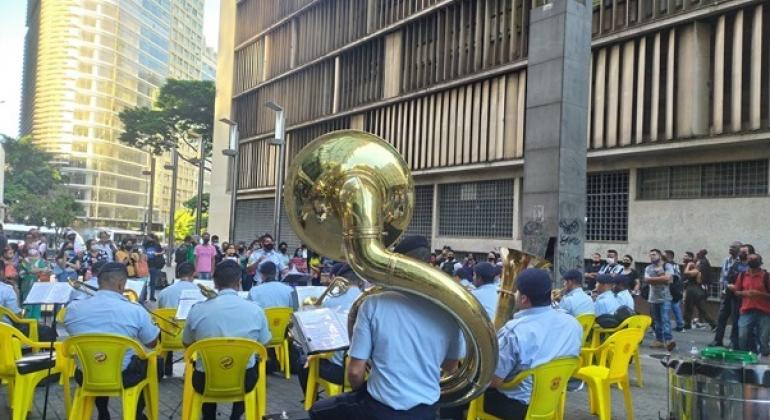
341	303
169	297
625	298
80	294
486	294
8	300
577	302
108	312
406	338
533	337
606	303
274	256
272	294
227	315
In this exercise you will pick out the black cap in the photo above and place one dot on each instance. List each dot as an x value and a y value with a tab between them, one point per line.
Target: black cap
267	267
535	284
485	271
604	279
340	269
410	243
574	275
113	267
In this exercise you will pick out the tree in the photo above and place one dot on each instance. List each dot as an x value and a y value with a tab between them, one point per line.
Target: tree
192	204
183	112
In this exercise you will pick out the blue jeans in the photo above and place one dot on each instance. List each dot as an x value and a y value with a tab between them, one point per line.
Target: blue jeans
660	315
747	324
204	276
676	308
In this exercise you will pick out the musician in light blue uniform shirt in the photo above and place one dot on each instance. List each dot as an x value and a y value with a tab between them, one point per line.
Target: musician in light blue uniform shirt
8	300
226	315
408	341
169	297
484	275
622	294
574	300
271	293
537	334
108	311
606	302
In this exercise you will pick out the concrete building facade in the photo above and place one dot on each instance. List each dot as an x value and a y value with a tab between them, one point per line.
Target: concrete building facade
678	134
87	60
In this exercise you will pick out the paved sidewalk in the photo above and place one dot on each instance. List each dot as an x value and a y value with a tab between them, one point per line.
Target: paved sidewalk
649	402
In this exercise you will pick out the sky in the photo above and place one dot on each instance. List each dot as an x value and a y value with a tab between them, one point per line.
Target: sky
12	30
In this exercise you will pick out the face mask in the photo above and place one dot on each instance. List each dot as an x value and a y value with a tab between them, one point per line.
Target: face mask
268	247
626	264
205	241
743	256
754	264
611	261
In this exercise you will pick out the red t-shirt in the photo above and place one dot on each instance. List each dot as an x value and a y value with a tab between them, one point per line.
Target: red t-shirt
753	281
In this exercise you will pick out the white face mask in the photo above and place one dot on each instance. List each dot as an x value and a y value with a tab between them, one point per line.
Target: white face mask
611	261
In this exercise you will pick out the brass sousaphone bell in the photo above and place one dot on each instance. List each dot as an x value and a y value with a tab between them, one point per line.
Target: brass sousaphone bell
349	196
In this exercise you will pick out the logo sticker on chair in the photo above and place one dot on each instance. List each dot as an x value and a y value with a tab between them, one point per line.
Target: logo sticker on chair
627	348
100	357
276	322
555	382
226	362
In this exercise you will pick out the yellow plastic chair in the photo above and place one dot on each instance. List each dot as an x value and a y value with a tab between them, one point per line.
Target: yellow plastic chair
549	382
278	320
168	342
587	322
613	355
225	361
22	374
29	322
100	357
61	314
314	379
641	322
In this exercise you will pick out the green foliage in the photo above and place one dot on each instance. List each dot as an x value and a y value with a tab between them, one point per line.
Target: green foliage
192	204
183	111
184	224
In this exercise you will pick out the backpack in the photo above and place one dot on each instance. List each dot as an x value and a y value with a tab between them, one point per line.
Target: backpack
676	287
180	255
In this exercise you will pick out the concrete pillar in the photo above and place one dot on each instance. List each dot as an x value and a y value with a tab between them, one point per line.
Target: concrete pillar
719	76
692	80
553	200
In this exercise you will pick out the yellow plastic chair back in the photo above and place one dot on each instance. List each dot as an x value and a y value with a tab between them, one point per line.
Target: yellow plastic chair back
31	323
587	322
168	341
225	361
637	321
278	319
618	350
549	381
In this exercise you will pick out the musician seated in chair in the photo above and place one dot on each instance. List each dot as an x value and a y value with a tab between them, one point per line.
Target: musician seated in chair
270	292
169	298
484	275
333	370
408	341
226	315
574	300
536	335
109	312
606	301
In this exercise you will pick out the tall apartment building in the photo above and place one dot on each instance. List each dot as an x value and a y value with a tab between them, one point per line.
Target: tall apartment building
85	61
678	142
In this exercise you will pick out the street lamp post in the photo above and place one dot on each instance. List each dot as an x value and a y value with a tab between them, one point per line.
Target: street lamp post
201	168
280	141
173	167
232	152
150	194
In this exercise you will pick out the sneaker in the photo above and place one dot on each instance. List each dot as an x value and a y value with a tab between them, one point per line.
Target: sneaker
679	329
657	344
713	327
716	344
670	345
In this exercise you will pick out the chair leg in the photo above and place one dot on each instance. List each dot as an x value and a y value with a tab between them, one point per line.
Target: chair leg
88	408
286	362
638	369
311	389
22	397
250	405
604	401
473	408
627	400
196	407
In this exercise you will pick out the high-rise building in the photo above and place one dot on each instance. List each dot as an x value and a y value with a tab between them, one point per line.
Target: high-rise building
678	146
209	64
87	60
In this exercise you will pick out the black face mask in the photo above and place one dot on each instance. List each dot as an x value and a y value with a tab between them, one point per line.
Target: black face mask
754	264
267	247
743	256
626	264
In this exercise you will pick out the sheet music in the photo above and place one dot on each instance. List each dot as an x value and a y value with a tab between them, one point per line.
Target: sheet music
194	294
184	308
304	292
243	294
321	330
45	293
136	285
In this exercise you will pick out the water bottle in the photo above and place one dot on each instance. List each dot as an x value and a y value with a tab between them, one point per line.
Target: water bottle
693	349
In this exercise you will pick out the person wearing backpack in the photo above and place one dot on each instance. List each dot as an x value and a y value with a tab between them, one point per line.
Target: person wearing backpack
677	289
659	276
753	287
155	262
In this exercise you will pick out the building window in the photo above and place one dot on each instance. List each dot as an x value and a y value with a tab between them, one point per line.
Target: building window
422	217
476	209
607	206
713	180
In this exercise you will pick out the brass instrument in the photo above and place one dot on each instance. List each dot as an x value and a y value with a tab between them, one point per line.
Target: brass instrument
83	287
350	195
337	287
514	262
207	292
556	294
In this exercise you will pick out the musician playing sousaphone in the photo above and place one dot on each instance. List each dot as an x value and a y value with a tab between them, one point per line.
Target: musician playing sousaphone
408	341
226	315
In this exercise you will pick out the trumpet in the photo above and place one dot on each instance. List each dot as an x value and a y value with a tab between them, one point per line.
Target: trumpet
207	292
338	287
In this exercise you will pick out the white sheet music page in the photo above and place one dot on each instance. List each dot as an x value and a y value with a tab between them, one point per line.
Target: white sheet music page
46	293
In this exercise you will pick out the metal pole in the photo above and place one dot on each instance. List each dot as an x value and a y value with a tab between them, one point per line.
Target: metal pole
234	141
280	138
150	204
201	168
172	210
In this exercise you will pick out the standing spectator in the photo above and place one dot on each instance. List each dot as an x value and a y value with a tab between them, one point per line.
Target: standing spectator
283	249
155	261
3	239
67	264
630	275
92	256
11	271
127	256
659	276
592	270
264	254
753	287
205	258
32	269
220	249
29	243
106	245
611	267
40	242
231	254
676	288
433	260
181	251
696	281
448	265
298	263
730	305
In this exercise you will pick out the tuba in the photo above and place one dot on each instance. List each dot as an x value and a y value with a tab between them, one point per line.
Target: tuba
350	195
514	262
